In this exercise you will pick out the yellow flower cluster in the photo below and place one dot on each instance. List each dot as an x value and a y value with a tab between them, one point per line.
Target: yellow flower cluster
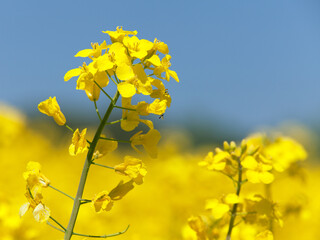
258	157
135	67
255	160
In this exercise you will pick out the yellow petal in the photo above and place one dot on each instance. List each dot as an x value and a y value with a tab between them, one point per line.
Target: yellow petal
124	72
72	73
84	53
249	162
23	209
154	60
174	75
126	89
266	177
41	213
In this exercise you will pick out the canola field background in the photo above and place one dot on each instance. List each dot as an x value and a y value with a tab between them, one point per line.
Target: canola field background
174	189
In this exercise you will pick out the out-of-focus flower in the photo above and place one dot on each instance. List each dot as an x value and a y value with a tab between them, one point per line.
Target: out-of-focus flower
132	167
218	209
34	177
149	141
265	235
257	172
285	151
198	225
104	147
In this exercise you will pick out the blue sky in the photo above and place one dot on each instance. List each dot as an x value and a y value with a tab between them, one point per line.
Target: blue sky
247	63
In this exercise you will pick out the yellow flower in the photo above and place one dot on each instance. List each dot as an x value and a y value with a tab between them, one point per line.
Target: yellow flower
232	198
137	48
104	147
102	202
51	108
79	142
41	213
198	225
265	235
130	120
137	83
157	107
149	141
95	52
218	209
119	34
160	46
163	66
285	151
88	75
261	211
257	172
161	92
132	167
34	177
121	190
215	162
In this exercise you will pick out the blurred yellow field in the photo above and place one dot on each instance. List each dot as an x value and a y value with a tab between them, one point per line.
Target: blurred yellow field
175	188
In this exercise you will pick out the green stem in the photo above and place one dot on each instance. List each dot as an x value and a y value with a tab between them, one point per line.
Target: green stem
102	236
115	75
114	122
116	140
98	164
234	209
269	197
69	128
85	170
97	110
111	78
55	227
61	191
103	91
59	224
131	109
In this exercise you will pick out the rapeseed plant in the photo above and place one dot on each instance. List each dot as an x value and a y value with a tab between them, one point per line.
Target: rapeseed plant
256	160
134	66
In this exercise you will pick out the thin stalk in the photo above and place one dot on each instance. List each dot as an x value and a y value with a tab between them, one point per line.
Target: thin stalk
131	109
97	110
116	140
102	236
61	192
115	75
55	227
100	165
103	91
234	209
269	197
111	78
85	170
59	224
69	128
114	122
